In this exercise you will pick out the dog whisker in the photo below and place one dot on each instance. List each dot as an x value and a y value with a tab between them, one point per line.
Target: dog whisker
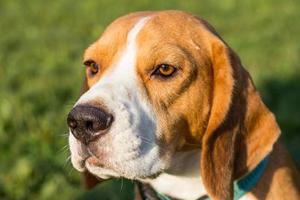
122	183
67	161
63	149
65	135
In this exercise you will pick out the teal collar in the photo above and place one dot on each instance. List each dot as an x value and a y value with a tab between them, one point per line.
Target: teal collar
243	185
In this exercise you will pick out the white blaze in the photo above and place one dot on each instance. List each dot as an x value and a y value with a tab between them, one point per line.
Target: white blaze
133	144
124	70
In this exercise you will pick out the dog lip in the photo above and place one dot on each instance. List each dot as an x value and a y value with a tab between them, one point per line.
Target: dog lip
93	160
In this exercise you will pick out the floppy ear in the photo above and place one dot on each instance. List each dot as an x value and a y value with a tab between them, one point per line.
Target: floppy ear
240	132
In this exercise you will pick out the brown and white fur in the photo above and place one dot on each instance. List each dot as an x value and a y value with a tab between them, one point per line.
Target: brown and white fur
188	135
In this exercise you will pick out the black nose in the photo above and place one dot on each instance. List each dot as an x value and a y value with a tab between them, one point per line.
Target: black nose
88	122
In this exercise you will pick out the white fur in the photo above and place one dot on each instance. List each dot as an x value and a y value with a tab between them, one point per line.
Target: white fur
78	154
182	180
133	149
248	196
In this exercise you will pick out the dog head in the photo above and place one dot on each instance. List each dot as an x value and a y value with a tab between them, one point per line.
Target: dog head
162	82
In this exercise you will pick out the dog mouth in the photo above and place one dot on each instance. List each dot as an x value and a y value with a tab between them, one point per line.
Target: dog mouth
106	166
94	166
136	161
93	160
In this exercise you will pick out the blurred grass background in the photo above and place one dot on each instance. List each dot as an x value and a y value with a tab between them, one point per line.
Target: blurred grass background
41	46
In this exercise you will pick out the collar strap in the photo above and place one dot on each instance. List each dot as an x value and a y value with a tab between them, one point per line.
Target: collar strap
240	187
245	184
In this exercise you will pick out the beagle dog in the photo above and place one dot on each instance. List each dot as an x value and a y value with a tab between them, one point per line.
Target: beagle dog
168	103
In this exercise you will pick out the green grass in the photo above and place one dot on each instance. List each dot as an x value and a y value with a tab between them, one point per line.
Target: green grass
41	46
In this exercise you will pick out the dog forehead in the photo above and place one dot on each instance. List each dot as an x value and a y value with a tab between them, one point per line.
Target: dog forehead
166	31
114	38
163	26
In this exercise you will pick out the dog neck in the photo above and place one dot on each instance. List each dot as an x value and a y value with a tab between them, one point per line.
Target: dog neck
182	180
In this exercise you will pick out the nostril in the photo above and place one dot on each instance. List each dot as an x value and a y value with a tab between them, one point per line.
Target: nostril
72	123
98	124
89	125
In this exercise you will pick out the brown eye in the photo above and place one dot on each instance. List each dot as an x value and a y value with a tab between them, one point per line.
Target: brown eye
91	66
165	70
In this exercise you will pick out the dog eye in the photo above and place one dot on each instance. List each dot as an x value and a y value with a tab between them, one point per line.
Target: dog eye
91	67
165	70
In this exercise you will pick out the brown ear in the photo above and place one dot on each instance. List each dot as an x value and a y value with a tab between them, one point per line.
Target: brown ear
241	131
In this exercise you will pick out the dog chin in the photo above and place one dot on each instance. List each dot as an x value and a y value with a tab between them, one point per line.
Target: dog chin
100	172
93	165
